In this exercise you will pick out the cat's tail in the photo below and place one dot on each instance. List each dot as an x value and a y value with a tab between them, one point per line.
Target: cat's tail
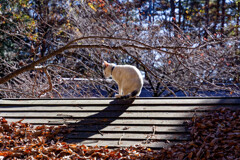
133	94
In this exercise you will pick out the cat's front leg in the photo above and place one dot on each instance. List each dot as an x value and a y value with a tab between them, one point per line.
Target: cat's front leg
119	95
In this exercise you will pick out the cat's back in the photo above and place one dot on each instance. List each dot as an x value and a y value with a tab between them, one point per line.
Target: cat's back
131	71
129	68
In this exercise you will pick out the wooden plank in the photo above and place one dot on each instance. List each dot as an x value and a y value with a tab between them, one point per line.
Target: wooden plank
100	114
132	129
125	121
60	121
171	108
158	101
117	144
129	136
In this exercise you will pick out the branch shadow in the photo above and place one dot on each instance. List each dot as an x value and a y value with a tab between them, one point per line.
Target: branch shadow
93	124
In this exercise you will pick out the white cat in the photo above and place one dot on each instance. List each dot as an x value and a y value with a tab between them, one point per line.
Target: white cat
128	78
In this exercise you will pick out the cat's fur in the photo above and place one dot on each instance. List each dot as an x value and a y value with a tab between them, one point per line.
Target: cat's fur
128	78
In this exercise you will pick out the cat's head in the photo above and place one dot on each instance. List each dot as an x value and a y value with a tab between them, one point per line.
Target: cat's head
107	69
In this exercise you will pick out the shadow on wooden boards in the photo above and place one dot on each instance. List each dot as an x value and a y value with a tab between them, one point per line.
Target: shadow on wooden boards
98	121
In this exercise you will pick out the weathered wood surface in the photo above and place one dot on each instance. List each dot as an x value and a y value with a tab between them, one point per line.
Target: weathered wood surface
139	101
152	122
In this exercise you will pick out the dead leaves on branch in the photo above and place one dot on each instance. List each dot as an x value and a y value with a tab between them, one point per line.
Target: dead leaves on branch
214	136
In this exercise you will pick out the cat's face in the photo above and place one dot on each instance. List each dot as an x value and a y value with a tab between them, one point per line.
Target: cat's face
106	69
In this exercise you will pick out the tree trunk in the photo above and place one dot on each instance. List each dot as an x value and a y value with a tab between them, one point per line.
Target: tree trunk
173	15
180	13
237	49
216	17
223	17
206	17
238	9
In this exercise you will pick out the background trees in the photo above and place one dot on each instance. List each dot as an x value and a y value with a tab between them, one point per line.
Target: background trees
55	48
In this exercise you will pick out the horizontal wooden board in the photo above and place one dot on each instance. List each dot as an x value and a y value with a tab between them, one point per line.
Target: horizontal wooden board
163	108
60	121
99	114
124	143
103	101
132	129
130	136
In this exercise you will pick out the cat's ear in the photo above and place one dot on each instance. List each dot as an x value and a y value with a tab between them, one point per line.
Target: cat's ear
106	63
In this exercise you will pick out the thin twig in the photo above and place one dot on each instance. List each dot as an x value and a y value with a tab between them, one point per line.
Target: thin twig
49	83
120	140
